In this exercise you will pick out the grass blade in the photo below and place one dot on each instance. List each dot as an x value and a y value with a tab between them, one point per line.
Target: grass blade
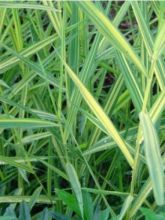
106	27
27	123
25	5
75	186
100	114
131	82
125	207
153	157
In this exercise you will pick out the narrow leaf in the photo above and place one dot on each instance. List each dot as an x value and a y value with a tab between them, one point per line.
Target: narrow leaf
100	114
107	28
153	157
25	123
75	185
125	207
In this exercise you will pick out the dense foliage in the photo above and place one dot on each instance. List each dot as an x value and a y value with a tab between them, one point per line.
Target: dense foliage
82	121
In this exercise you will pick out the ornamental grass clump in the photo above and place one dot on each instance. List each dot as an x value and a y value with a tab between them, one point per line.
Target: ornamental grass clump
82	120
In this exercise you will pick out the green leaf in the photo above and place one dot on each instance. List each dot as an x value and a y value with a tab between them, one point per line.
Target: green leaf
100	114
24	212
153	157
104	214
72	175
160	39
69	200
27	123
7	218
131	80
25	5
2	83
149	214
88	205
106	27
125	207
44	215
12	162
101	214
8	63
34	197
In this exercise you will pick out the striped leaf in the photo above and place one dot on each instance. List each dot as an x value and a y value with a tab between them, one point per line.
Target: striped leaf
107	28
153	157
101	115
27	123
